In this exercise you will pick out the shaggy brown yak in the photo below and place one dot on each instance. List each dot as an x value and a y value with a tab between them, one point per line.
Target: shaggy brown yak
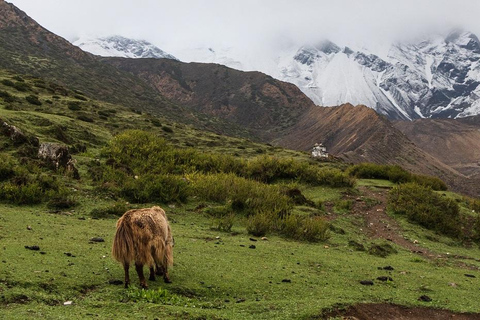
144	236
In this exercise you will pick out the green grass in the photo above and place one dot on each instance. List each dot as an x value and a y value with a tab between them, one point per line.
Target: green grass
215	275
208	278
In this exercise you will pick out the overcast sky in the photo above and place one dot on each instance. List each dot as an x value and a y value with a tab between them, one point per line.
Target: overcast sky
180	23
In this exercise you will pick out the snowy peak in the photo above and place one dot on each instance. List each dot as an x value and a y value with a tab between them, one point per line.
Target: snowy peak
118	46
464	39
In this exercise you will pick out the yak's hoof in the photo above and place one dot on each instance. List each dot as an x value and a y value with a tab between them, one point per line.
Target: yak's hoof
167	280
151	278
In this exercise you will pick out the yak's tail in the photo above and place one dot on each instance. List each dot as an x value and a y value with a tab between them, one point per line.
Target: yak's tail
123	247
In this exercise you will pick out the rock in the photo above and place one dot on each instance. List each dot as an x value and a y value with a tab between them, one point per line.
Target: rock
383	278
425	298
264	238
366	282
58	156
97	239
68	254
67	303
240	300
34	248
29	228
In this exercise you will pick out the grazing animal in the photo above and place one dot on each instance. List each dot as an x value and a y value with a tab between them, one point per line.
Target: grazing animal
144	236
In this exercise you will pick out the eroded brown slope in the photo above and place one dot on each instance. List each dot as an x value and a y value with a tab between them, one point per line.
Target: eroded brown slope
454	142
359	134
250	99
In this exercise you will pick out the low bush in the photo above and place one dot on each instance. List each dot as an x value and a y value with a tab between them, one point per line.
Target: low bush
33	100
74	105
225	223
343	206
395	174
156	188
85	118
423	206
8	83
303	228
247	197
61	200
21	86
116	210
382	250
260	224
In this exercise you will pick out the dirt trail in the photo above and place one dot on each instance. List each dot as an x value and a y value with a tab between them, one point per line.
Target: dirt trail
379	225
395	312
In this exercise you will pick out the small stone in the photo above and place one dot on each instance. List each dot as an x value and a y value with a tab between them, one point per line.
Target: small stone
264	238
217	237
240	300
68	254
452	284
29	228
34	248
366	282
383	278
67	303
425	298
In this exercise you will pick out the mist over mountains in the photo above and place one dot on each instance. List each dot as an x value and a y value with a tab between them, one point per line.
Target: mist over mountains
435	77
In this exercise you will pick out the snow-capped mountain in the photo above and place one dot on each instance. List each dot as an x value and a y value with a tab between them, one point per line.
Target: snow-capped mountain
118	46
437	77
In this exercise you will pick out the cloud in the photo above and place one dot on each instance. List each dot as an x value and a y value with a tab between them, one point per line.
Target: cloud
250	23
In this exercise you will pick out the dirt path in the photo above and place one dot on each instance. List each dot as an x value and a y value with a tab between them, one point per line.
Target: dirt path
372	207
395	312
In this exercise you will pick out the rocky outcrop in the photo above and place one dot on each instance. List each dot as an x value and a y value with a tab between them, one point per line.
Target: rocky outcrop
58	156
16	135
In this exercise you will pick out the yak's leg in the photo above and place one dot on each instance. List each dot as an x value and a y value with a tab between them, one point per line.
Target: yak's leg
143	282
159	271
152	274
166	278
127	276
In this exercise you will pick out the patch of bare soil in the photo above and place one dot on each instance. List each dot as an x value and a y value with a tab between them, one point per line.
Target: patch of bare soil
395	312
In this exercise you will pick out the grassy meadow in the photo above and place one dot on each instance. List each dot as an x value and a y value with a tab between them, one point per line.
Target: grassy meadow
222	195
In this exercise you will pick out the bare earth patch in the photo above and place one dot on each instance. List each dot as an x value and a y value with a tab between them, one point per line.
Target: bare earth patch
395	312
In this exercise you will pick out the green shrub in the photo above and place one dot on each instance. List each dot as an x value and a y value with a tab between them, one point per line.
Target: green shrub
423	206
343	206
33	100
225	223
167	129
395	174
84	117
382	250
8	83
74	105
26	194
21	86
61	200
247	197
302	228
260	224
156	188
115	210
80	97
6	168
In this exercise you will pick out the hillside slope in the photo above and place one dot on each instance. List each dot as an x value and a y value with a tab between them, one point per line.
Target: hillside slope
359	134
454	142
250	99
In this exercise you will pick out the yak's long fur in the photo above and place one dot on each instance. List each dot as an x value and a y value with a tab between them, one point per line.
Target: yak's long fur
144	236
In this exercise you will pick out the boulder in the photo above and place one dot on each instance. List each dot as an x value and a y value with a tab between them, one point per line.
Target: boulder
58	156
